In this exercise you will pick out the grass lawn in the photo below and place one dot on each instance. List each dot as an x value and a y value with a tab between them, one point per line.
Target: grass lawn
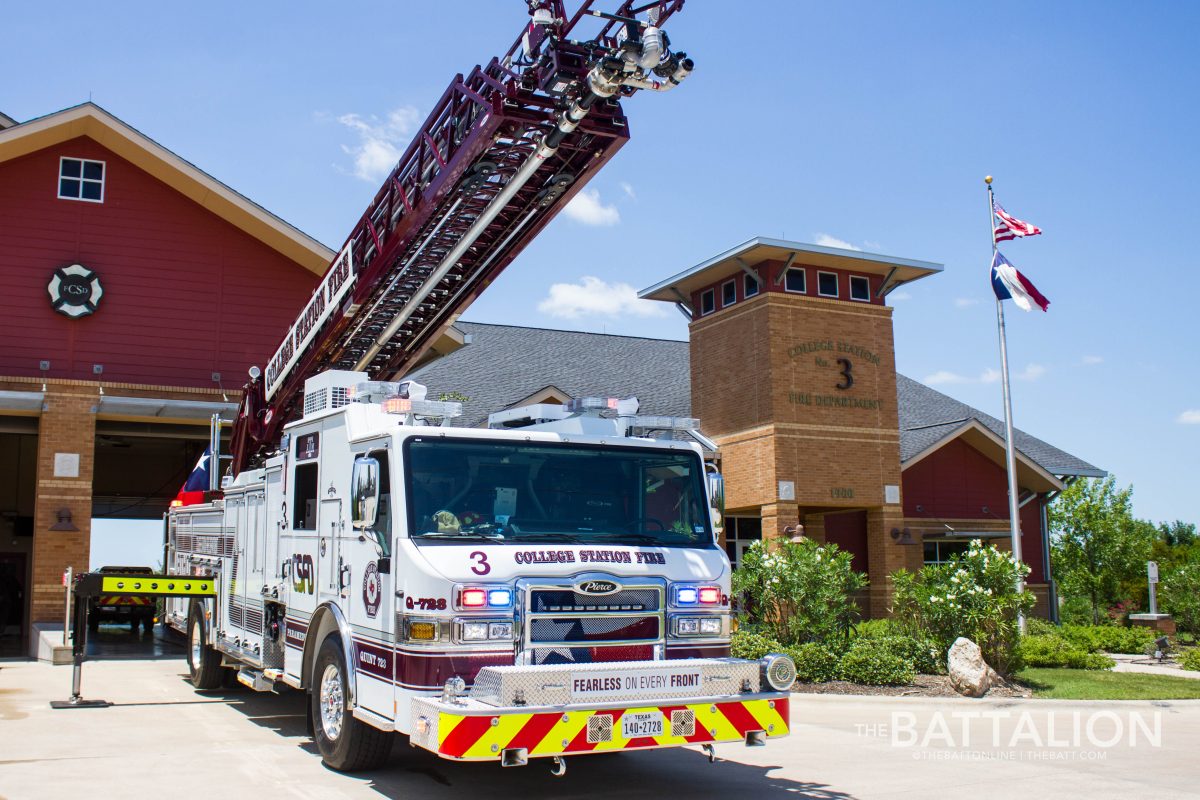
1082	684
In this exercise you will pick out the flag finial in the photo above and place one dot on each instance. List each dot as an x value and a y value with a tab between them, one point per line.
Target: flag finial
988	180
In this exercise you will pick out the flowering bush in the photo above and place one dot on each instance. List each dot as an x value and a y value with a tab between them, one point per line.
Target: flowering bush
973	595
1180	594
798	591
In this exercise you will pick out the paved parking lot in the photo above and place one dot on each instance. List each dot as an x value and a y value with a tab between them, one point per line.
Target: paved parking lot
162	738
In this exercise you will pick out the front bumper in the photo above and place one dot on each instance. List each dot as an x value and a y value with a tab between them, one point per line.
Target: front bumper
481	728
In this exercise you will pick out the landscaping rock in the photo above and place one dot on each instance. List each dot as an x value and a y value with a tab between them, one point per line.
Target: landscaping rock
970	675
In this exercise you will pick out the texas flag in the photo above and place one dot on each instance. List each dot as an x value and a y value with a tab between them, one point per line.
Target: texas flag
196	485
1012	285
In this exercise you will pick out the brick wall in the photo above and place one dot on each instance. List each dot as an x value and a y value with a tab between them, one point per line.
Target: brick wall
67	425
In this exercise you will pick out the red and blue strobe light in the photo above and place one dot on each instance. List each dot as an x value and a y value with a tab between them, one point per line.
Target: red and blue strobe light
473	597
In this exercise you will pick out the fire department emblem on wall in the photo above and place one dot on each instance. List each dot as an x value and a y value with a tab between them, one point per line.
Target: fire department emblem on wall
75	291
371	590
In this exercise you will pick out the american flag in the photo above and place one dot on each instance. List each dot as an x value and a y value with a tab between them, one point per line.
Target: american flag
1009	227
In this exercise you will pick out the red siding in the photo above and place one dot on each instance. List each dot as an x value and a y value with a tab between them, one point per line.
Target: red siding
958	482
186	293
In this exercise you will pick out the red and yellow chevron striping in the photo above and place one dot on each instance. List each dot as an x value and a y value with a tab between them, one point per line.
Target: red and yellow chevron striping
484	737
123	600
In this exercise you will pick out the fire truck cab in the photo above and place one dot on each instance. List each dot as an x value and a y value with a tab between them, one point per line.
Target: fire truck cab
546	586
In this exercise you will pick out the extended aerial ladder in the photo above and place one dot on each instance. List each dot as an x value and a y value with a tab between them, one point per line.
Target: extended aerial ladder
502	152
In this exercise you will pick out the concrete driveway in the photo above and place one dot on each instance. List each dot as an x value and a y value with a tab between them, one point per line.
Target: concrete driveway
162	739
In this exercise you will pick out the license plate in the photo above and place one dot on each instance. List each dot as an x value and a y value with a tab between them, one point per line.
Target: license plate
641	724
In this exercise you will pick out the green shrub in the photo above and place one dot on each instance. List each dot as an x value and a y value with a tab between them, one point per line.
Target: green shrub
875	666
752	645
973	595
798	591
1180	595
1037	626
1190	659
1108	638
923	654
815	663
875	629
1053	650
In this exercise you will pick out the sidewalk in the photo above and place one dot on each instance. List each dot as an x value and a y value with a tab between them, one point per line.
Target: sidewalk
1140	663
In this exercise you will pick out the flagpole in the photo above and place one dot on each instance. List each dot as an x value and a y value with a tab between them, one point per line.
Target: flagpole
1010	452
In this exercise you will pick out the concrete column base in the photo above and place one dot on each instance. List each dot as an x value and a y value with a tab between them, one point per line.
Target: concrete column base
1163	623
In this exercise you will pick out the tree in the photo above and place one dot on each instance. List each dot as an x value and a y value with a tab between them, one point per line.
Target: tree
1178	533
1100	550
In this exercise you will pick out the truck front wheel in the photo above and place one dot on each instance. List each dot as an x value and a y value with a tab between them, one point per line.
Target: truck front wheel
204	663
345	743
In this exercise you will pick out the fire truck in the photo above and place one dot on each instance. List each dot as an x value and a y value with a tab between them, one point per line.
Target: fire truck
548	585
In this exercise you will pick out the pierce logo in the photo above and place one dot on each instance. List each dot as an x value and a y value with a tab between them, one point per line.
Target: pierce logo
596	587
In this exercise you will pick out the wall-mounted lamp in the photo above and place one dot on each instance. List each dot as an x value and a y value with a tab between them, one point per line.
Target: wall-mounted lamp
44	366
64	522
98	370
903	537
216	376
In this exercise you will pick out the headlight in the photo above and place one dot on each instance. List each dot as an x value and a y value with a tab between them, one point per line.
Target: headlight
483	630
778	671
698	626
474	631
710	626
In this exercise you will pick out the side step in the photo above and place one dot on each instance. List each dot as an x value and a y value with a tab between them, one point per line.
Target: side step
248	676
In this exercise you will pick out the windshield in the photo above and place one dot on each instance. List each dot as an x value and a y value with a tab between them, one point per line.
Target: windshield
530	493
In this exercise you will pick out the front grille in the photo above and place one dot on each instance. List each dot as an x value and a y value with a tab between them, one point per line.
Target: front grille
593	629
543	601
591	655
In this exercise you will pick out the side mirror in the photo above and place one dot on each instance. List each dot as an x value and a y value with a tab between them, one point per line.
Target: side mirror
716	499
364	495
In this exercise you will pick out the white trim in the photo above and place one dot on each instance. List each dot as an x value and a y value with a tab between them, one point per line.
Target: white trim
713	292
81	179
731	282
804	279
746	286
854	278
836	291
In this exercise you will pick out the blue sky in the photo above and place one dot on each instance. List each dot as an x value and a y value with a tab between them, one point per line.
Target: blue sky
868	123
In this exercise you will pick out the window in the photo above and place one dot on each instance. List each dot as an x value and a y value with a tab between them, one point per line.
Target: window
751	287
304	491
542	493
80	179
860	288
938	552
827	284
708	301
793	281
728	293
740	533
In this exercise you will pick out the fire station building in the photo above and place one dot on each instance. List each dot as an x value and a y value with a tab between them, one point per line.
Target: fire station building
137	291
790	368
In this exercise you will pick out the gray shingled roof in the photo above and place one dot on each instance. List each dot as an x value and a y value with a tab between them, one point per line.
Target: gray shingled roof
927	416
504	364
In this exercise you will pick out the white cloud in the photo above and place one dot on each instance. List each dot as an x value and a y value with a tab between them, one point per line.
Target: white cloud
1189	417
1091	361
825	240
945	376
587	208
627	188
899	297
380	142
594	297
1031	373
965	302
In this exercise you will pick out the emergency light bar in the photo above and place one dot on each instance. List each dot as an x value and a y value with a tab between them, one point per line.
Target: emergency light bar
403	397
624	408
426	408
665	423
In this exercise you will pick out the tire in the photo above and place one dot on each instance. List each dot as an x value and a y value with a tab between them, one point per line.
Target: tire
148	625
204	663
345	743
133	625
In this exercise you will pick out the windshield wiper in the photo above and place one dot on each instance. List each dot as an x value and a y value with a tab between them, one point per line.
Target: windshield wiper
481	537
